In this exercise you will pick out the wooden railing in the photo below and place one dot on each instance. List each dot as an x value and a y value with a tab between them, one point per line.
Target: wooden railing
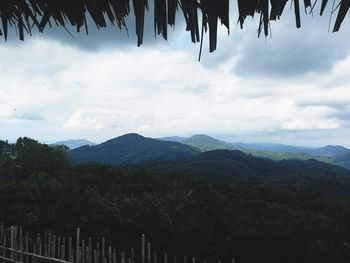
17	247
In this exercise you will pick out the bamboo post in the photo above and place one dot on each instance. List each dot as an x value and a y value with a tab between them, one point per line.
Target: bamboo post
4	245
15	243
90	250
70	250
87	251
114	256
27	246
185	259
38	243
77	246
122	257
49	245
83	253
103	244
95	256
54	246
165	258
63	249
34	251
148	252
143	248
155	257
193	260
233	260
59	247
78	259
98	251
175	259
110	254
21	244
2	230
12	241
132	252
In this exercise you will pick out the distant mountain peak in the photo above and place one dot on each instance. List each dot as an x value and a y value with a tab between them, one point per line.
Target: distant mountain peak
132	149
73	144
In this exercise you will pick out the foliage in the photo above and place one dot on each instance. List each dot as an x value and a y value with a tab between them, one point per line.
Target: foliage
181	212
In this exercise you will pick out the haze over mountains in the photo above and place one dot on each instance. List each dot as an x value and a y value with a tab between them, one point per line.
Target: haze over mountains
135	149
73	144
194	156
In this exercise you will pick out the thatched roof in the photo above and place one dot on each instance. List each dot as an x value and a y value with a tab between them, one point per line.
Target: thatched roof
24	15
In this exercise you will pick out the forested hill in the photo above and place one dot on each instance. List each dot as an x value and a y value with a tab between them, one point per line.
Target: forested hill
226	166
132	149
253	209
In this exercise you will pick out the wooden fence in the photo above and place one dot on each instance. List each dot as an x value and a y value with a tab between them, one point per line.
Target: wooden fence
19	247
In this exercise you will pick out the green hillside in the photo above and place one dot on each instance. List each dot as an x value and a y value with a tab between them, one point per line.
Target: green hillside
206	143
215	205
132	149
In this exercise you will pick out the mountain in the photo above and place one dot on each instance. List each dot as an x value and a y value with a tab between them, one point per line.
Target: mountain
330	150
240	168
72	144
132	149
342	160
173	139
275	147
206	143
270	151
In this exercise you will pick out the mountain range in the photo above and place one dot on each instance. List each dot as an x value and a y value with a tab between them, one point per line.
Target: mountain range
134	149
222	165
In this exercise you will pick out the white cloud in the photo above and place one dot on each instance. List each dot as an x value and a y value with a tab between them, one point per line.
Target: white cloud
106	93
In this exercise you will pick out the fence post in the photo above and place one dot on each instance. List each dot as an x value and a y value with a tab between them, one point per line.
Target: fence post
12	241
27	246
110	254
1	232
21	244
63	251
114	256
103	244
148	252
143	248
59	247
4	244
70	250
83	252
132	256
90	250
77	246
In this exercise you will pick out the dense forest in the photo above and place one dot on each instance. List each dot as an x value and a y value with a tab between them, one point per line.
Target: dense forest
219	204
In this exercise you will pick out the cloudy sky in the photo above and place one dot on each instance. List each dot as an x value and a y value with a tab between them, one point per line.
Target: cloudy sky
291	88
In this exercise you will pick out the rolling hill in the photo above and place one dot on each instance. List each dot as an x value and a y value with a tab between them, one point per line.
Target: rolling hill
132	149
237	167
337	155
206	143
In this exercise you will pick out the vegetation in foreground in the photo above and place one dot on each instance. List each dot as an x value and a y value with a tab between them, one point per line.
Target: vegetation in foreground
178	210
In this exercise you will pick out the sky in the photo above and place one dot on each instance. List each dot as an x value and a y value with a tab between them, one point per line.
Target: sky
291	87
